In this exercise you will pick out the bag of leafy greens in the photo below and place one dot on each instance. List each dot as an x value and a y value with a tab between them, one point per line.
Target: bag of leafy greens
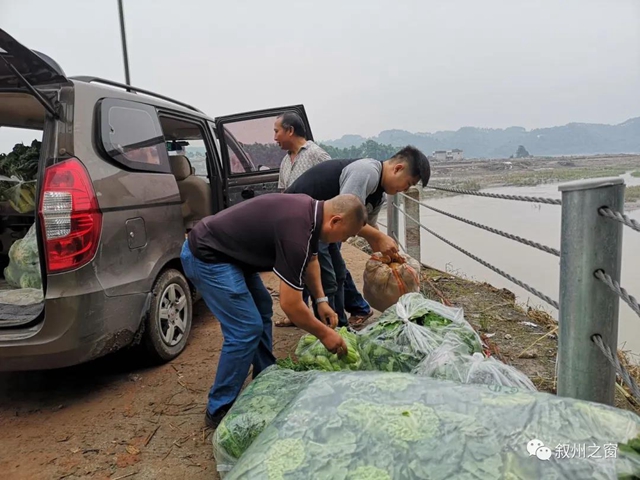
409	331
254	409
23	270
451	361
375	425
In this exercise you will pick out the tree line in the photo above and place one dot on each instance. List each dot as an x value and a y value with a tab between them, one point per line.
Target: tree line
369	149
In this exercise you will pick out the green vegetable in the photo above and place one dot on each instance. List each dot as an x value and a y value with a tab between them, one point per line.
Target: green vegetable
253	411
354	426
409	331
23	270
21	162
19	169
312	354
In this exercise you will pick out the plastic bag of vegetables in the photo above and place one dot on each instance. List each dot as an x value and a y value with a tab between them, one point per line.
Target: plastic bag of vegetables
312	354
411	330
374	425
20	194
23	270
451	361
254	409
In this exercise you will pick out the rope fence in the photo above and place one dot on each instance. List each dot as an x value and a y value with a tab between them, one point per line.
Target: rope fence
618	290
548	201
620	369
528	288
619	217
517	238
585	226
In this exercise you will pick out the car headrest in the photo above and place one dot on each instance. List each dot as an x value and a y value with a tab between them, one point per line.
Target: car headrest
180	166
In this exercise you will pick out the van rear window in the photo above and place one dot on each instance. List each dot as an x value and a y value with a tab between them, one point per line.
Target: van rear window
130	133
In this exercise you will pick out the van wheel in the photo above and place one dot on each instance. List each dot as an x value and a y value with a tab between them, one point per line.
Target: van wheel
169	321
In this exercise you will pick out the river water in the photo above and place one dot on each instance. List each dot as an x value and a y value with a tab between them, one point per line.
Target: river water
536	222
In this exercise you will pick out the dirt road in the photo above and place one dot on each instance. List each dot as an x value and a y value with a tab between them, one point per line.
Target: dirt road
115	419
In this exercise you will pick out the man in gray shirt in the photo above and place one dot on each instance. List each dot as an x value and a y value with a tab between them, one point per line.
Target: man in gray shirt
370	180
302	154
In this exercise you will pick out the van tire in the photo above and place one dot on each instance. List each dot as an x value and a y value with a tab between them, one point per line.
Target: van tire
170	291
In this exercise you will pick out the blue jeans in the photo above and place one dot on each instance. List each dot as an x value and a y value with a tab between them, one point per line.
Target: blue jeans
244	308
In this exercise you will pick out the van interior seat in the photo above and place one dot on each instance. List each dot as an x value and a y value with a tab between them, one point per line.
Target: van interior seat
195	193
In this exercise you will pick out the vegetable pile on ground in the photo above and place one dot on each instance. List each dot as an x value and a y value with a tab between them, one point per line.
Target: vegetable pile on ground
254	409
375	425
23	270
312	354
18	171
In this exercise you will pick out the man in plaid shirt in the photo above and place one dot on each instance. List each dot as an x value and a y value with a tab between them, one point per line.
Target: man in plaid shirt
302	154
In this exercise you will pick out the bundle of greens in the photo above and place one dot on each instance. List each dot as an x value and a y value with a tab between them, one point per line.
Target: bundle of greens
411	330
312	354
23	270
373	425
451	361
18	171
253	411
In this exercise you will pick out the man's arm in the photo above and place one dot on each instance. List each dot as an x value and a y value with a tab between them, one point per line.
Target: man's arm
362	180
302	317
312	278
379	242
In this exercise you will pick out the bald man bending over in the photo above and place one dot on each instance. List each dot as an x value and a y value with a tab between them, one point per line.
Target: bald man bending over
223	256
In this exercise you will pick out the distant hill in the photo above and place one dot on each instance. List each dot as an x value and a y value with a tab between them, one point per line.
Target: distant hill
570	139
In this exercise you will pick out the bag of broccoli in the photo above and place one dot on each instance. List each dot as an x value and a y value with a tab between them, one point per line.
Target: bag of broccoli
451	361
254	409
312	354
409	331
375	425
23	270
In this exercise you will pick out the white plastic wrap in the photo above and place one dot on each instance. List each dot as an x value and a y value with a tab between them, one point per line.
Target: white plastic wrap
451	361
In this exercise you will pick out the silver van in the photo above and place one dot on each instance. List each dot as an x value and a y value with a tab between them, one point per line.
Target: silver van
118	176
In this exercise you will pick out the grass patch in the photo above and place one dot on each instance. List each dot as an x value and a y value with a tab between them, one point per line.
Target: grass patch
560	175
470	185
636	173
632	194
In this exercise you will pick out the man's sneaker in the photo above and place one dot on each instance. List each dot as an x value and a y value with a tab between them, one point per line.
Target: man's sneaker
212	421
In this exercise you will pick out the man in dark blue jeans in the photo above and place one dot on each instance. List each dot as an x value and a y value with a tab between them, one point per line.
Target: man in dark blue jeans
223	256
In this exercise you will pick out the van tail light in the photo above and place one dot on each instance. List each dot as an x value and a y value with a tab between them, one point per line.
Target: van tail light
70	217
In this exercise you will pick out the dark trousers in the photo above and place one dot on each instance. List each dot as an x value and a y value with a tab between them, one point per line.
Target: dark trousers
338	284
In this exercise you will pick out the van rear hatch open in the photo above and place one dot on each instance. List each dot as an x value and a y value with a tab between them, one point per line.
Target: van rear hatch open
29	86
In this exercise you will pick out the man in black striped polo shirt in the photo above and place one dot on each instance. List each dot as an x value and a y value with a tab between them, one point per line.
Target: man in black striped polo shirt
222	257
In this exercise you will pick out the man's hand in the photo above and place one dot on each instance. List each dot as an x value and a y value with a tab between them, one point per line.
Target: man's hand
327	314
385	245
333	342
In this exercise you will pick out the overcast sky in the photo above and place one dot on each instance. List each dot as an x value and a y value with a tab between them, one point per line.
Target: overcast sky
360	66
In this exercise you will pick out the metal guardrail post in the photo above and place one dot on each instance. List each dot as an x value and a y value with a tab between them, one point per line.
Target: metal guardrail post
588	242
392	215
412	230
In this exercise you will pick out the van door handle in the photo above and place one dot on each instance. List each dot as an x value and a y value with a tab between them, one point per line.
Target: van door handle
248	193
